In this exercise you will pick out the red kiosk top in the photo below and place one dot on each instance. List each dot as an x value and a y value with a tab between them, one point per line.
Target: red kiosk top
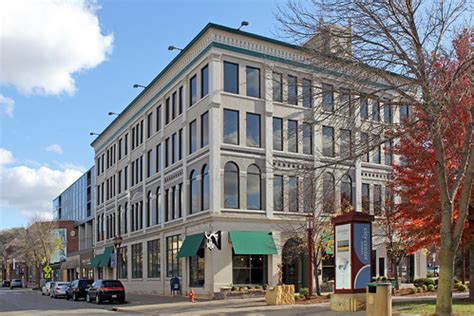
352	217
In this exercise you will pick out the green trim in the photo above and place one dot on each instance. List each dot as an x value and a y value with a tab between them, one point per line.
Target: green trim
252	243
191	245
95	261
105	257
220	46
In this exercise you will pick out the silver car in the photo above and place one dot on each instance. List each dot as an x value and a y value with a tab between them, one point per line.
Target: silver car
59	289
46	289
15	283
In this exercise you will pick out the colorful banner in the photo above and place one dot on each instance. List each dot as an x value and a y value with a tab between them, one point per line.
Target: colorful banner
362	248
343	256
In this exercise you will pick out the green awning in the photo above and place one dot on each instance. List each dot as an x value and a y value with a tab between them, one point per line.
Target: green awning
191	245
95	261
252	243
105	257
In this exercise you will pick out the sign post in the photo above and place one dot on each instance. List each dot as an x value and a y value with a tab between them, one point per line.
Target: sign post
352	251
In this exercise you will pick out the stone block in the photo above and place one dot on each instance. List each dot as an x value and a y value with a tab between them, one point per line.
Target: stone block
350	302
280	295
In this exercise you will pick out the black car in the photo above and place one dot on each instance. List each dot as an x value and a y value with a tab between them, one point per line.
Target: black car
106	290
78	289
6	283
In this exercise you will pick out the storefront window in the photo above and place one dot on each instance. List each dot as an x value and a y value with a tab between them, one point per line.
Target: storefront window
154	253
196	269
123	271
137	261
249	269
173	243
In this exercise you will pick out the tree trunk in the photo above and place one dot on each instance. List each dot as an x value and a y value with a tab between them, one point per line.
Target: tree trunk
316	283
445	281
471	271
395	274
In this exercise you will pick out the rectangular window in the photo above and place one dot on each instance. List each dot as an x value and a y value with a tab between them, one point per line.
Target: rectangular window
158	118
277	133
125	145
125	178
205	129
292	136
174	148
149	163
377	200
141	132
328	141
293	194
328	97
231	127
278	193
249	269
196	269
388	154
204	81
364	107
173	244
148	125
366	198
192	90
180	144
180	100
137	261
307	94
346	143
307	139
133	137
141	168
154	258
120	182
174	110
253	130
364	145
167	111
292	90
123	269
277	87
376	151
376	110
231	77
158	158
345	100
404	113
192	136
387	113
253	82
120	149
167	152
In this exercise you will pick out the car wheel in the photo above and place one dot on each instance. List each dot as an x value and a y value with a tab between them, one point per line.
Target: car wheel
121	300
97	299
88	298
74	297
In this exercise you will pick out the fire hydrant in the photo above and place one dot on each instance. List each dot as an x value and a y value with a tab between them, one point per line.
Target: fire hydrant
191	296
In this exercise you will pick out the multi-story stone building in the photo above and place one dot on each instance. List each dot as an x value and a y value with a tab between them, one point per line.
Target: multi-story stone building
192	173
76	204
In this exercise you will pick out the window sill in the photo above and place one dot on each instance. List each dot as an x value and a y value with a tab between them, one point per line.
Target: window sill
197	214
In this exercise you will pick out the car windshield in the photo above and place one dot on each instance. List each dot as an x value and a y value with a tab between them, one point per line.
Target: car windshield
112	284
15	280
85	282
62	284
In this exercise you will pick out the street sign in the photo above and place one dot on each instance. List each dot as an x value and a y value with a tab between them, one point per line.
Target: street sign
47	272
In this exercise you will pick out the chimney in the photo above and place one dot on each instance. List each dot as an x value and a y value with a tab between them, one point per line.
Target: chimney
331	39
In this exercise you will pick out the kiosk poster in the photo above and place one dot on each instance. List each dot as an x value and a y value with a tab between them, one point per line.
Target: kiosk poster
362	249
343	256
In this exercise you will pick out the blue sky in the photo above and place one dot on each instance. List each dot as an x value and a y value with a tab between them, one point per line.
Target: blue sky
45	122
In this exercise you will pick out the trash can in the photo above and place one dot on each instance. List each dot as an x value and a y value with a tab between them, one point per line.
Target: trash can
379	299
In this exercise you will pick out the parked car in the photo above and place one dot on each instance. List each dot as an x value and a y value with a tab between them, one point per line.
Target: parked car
59	289
106	290
78	289
6	283
46	289
15	283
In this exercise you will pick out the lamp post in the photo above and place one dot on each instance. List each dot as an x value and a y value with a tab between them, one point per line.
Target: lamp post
309	228
117	242
136	85
172	47
242	24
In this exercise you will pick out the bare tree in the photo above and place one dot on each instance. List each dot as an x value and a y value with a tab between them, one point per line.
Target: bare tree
395	45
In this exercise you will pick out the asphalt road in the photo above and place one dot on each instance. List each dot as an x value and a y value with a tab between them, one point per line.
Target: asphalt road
29	302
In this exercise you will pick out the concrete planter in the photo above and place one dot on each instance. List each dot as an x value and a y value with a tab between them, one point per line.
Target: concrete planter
280	295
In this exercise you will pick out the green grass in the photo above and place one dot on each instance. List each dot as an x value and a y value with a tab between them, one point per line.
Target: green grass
459	306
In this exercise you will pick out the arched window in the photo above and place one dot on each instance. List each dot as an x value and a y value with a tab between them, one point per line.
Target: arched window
125	218
205	188
231	185
254	188
346	192
193	195
149	210
328	193
158	206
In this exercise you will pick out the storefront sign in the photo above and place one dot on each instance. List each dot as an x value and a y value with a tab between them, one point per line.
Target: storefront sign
343	256
362	248
113	260
213	240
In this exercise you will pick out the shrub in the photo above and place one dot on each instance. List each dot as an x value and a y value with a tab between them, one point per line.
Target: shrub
462	288
436	281
233	289
384	278
304	291
241	289
258	287
419	289
424	287
431	287
423	281
412	290
328	296
302	297
265	287
456	281
430	275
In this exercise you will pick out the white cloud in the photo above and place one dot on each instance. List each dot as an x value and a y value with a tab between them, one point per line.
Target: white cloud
44	43
55	148
31	190
8	104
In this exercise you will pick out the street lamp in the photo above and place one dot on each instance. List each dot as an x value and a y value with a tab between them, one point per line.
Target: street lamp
242	24
171	47
309	228
136	85
117	242
113	113
94	133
